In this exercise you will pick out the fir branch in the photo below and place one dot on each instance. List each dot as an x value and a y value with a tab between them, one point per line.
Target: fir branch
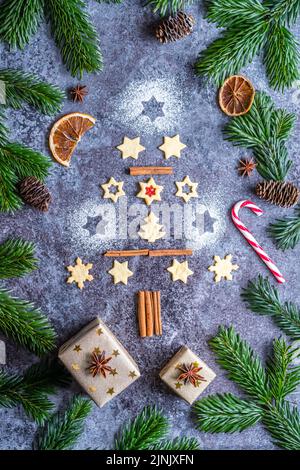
74	35
286	11
24	161
31	389
252	26
164	7
283	423
286	231
228	54
180	443
264	129
3	128
242	364
272	160
19	20
226	413
281	58
46	375
9	200
21	321
16	258
263	299
149	427
230	13
283	376
63	430
21	87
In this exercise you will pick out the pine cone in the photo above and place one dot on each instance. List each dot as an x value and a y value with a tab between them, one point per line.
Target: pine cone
281	193
175	27
35	193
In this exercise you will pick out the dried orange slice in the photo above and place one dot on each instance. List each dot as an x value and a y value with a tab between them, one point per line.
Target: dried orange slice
236	95
66	133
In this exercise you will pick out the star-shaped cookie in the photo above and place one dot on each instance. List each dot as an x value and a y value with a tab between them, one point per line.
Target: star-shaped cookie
172	147
120	272
130	148
79	273
150	191
180	271
112	183
223	268
192	187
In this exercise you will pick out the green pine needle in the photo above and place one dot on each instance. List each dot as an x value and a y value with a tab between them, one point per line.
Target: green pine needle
3	128
22	87
286	231
226	413
228	54
263	299
18	162
149	427
286	11
164	7
9	200
252	26
24	161
16	258
63	430
243	366
230	13
75	36
19	20
283	423
264	129
180	443
283	376
25	324
31	389
281	58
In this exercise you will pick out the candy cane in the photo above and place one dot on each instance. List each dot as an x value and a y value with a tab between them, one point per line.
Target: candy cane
251	240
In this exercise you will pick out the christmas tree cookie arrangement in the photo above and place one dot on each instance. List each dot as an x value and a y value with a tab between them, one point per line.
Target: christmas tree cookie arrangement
99	362
187	375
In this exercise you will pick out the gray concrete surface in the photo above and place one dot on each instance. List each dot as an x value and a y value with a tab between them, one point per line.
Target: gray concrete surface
136	66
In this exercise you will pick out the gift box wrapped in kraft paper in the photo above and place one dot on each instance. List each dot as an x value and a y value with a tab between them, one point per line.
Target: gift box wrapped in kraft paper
187	375
99	362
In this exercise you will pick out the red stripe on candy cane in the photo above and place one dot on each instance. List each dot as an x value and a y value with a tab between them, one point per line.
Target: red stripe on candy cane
250	238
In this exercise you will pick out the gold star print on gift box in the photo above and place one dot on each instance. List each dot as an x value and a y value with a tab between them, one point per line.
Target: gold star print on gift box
100	364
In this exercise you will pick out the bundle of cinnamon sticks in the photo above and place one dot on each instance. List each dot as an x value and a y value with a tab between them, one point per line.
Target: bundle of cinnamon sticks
149	313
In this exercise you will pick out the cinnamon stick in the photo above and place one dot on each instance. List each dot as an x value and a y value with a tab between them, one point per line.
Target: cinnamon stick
156	314
125	253
170	252
142	314
150	170
149	314
159	313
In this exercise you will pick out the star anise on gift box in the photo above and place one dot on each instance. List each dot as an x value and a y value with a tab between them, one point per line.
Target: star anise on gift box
246	167
189	374
98	364
78	93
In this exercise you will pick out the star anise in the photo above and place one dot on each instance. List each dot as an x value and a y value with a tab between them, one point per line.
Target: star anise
78	93
98	364
189	374
246	167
